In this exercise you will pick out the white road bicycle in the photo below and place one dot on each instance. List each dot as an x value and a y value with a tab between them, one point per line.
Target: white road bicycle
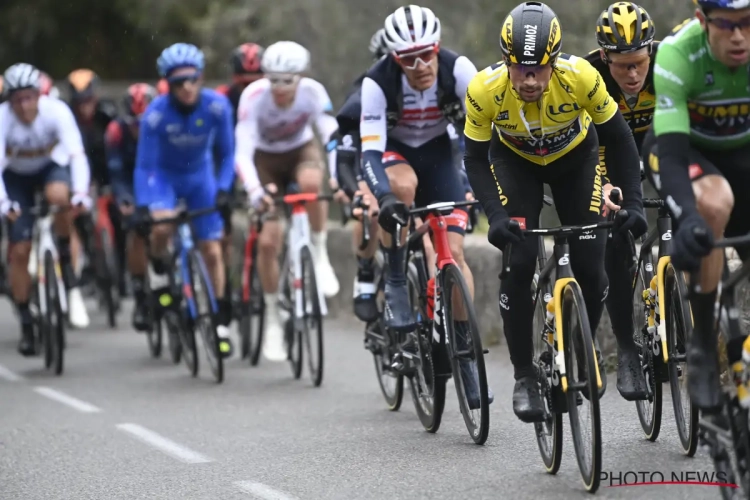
48	285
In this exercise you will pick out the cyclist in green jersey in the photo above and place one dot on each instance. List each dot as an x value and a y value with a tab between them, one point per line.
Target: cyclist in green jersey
700	159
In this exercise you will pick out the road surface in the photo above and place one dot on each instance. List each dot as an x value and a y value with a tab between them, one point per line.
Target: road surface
121	425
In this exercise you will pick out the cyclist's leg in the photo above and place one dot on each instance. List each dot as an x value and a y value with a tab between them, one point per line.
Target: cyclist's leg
715	202
120	244
272	169
403	182
365	291
57	192
309	176
522	193
577	190
21	189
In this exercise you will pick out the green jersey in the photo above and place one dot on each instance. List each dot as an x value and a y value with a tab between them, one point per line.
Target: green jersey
698	95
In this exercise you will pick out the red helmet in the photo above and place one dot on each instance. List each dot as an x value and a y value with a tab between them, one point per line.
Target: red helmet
245	59
162	87
45	83
137	98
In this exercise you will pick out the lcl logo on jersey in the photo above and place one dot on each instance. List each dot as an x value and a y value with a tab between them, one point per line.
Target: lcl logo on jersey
563	108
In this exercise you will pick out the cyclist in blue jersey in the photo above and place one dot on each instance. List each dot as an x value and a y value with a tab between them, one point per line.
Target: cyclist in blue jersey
175	159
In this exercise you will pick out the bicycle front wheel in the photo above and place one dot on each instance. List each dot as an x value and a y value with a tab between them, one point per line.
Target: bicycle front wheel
581	369
204	314
679	329
54	316
253	312
107	276
466	353
312	332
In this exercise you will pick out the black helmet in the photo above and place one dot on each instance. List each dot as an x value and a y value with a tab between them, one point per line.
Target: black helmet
82	84
624	27
531	35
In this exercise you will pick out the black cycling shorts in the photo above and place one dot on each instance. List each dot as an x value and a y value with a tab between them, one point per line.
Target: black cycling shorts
733	165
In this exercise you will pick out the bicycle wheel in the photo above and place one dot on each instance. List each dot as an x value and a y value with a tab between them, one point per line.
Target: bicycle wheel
580	363
465	351
108	276
293	338
253	313
679	329
649	410
312	333
204	314
549	434
154	338
55	317
174	344
426	386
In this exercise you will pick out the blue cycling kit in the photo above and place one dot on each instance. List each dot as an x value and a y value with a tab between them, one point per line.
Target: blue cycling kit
176	157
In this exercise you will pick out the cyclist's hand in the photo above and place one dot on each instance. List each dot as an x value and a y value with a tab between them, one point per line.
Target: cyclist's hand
338	194
10	209
470	196
504	230
608	205
126	205
392	212
369	201
693	240
142	221
635	222
81	202
223	200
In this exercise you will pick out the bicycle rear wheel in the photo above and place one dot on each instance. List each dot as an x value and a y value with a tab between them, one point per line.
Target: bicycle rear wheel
253	313
649	410
549	434
55	319
173	338
204	313
312	332
581	368
679	329
465	352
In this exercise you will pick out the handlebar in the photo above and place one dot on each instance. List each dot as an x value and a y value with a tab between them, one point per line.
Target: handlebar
358	202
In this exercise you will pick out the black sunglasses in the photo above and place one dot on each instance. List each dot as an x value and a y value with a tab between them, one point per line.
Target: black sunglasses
727	25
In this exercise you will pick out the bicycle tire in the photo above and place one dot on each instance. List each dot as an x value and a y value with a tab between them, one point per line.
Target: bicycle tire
205	313
174	345
677	298
154	338
429	407
56	335
649	410
254	307
312	333
573	307
453	281
108	276
294	347
550	450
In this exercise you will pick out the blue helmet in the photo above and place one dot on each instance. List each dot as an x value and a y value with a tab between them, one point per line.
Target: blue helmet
180	55
723	4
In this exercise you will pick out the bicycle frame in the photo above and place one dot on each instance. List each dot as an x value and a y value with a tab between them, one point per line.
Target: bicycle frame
186	245
41	242
103	220
248	260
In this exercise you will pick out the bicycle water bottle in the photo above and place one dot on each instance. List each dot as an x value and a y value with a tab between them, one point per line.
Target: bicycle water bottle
431	298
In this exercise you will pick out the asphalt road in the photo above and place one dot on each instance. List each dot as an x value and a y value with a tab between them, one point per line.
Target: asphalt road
120	425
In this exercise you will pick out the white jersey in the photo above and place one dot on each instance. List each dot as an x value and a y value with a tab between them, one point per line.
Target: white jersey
421	118
52	137
263	126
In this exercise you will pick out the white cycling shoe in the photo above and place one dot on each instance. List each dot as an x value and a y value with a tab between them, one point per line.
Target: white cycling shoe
78	316
274	347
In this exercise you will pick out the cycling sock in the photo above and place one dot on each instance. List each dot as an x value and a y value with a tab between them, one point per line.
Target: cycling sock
397	264
138	282
160	265
225	311
24	312
703	305
365	268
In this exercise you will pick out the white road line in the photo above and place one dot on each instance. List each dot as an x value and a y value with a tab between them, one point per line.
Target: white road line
63	398
263	492
9	375
165	445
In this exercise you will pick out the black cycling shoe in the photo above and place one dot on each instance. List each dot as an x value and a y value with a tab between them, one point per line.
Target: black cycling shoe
527	400
141	316
631	382
365	290
398	314
602	374
407	349
469	373
27	344
704	379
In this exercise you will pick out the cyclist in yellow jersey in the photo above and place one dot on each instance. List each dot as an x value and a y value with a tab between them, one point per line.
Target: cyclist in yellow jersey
542	104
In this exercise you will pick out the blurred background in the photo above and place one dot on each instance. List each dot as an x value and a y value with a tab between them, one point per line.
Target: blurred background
121	39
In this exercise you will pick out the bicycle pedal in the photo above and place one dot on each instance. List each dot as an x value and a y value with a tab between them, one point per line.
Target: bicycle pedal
485	351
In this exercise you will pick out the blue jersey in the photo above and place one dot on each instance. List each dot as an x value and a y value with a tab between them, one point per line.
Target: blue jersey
180	145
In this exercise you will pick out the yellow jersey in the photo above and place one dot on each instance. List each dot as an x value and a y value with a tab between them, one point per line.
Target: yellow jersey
545	130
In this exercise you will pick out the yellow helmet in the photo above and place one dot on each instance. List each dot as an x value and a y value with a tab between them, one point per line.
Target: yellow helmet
624	27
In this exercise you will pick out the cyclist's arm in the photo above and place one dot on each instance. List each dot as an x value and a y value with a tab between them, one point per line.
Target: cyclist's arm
3	158
347	162
225	147
672	130
327	126
478	132
70	137
614	135
246	134
373	130
115	165
148	155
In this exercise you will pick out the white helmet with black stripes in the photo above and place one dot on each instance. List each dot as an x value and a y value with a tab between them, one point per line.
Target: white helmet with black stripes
411	27
21	76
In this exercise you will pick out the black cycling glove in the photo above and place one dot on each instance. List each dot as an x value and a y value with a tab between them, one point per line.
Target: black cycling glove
392	209
693	241
504	230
